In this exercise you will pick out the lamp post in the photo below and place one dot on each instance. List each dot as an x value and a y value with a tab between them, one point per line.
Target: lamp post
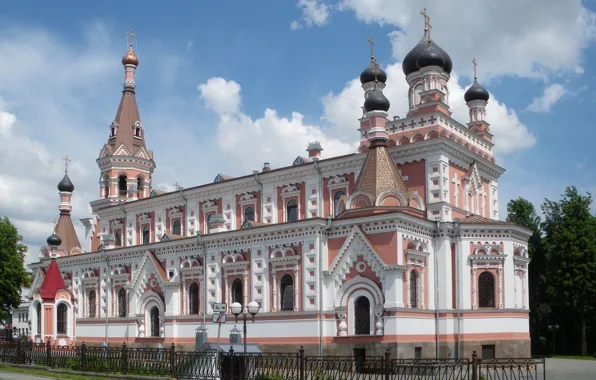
10	330
237	309
203	328
554	329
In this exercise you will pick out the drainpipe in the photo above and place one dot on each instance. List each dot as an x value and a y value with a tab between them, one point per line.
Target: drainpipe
327	227
181	193
125	230
457	287
107	279
201	244
258	180
436	274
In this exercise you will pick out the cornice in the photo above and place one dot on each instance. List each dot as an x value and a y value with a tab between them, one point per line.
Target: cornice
456	153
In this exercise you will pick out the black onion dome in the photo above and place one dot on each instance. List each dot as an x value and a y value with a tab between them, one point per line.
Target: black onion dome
376	101
368	75
66	184
476	92
426	54
54	239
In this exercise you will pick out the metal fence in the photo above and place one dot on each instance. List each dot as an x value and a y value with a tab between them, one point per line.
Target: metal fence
267	366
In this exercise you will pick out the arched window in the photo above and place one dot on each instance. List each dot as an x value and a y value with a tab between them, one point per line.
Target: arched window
417	90
486	290
286	289
176	230
118	238
249	214
122	186
92	304
336	199
38	312
146	235
61	319
122	302
193	298
140	185
291	211
362	316
154	316
413	289
237	291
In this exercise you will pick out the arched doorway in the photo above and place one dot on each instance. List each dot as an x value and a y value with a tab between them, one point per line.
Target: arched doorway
154	320
362	316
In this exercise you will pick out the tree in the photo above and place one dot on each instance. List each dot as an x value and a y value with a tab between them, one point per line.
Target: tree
12	266
522	212
570	239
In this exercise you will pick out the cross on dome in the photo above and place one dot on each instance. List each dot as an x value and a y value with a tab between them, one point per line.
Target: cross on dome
427	25
66	161
475	65
372	48
131	36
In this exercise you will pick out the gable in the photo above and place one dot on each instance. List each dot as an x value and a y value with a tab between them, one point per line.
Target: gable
122	151
148	266
355	245
142	153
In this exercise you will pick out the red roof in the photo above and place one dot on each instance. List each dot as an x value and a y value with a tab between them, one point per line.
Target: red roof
52	282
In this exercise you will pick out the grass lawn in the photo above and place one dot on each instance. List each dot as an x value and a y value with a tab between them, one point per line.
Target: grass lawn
39	372
576	357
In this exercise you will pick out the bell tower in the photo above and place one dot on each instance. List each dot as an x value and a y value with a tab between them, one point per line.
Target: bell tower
126	166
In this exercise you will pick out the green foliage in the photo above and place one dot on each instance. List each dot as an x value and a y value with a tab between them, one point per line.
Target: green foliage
570	239
12	266
269	376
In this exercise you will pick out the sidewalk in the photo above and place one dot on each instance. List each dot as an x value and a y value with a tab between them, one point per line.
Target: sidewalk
20	376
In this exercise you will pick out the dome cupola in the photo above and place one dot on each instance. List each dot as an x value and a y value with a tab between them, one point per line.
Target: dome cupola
426	53
373	73
54	240
376	101
476	92
66	184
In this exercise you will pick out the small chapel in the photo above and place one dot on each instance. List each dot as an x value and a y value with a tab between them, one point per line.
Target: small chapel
397	245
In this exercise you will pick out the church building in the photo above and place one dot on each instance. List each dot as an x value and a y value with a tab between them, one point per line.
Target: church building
398	245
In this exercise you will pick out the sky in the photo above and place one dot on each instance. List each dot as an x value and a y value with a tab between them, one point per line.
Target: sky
224	86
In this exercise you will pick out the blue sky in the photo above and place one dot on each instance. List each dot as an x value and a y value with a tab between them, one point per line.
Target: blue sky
225	86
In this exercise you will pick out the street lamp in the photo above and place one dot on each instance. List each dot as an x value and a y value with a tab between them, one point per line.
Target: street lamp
253	309
554	329
203	328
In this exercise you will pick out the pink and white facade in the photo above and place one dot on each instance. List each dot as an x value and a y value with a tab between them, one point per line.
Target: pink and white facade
398	245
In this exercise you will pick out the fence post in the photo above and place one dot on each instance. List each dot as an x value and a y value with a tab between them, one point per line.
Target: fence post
474	365
172	360
387	364
18	353
83	357
49	353
301	362
124	359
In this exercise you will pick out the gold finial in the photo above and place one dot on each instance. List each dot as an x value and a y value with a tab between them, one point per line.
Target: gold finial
66	161
427	25
131	36
372	48
474	63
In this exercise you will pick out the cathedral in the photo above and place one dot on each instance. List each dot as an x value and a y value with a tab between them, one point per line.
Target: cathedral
397	245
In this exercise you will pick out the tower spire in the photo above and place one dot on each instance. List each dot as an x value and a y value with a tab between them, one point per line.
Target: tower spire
126	140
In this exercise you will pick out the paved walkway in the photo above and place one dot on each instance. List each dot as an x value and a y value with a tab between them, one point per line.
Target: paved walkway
569	369
20	376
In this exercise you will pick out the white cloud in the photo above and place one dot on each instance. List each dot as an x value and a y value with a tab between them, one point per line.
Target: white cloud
343	109
7	120
528	38
249	142
551	95
221	96
314	12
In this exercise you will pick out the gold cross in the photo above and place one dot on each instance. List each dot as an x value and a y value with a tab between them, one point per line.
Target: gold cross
66	160
427	25
131	35
474	63
54	223
372	47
